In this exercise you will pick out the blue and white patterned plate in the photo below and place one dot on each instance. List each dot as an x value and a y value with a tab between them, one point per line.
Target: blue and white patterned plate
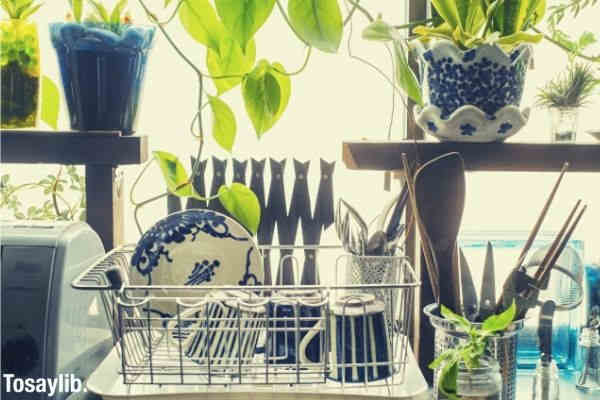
196	247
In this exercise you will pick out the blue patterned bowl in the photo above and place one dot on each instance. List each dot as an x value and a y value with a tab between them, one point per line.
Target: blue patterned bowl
195	247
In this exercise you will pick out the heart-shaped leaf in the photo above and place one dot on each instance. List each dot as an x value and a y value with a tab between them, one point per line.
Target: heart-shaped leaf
318	22
243	18
266	91
199	19
174	174
230	60
224	126
242	204
50	102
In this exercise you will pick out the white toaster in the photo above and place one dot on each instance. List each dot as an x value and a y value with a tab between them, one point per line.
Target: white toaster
49	329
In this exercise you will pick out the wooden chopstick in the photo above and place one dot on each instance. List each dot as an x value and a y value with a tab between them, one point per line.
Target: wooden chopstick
559	250
540	219
426	242
556	242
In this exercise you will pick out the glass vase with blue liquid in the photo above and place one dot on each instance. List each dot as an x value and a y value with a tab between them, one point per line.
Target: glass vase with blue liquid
562	288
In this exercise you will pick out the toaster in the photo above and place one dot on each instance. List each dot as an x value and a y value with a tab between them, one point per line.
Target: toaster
49	329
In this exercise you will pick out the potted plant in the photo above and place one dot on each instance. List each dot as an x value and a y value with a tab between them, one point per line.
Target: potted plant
563	96
20	64
102	60
473	59
474	358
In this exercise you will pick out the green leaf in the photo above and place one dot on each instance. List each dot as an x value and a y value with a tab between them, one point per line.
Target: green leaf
318	22
8	6
459	319
378	30
174	174
27	13
499	322
100	10
224	126
77	8
50	102
167	2
586	39
242	204
115	16
243	18
266	94
448	10
199	19
230	60
405	76
520	37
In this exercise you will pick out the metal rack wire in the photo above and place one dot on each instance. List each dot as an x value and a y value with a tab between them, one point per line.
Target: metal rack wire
228	335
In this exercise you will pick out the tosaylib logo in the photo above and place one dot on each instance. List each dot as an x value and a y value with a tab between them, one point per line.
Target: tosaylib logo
67	383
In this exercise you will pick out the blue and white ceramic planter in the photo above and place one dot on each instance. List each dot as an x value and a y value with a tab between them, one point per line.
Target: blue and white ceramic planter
102	73
472	95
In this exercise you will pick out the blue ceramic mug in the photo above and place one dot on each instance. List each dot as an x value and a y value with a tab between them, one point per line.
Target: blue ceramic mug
292	316
361	348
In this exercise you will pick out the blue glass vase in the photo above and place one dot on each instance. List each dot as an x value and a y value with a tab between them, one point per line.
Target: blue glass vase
102	71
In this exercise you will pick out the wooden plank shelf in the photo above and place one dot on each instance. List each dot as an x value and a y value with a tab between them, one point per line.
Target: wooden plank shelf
511	156
100	152
73	148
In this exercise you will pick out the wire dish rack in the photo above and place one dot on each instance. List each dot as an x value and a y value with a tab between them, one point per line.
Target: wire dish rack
351	333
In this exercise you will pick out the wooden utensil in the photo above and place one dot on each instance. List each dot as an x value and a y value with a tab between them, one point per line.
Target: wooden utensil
440	198
426	246
467	287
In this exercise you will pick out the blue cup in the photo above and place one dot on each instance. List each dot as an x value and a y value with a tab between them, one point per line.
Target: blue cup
293	315
361	349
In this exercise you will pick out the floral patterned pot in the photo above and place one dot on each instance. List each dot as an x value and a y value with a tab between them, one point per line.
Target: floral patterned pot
102	73
472	95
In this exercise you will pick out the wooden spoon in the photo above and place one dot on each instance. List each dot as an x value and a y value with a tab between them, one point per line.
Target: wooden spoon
440	197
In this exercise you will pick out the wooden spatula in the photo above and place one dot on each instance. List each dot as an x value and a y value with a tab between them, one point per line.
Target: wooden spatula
440	197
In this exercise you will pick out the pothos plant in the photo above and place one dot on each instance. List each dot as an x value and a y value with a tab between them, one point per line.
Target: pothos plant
226	29
471	351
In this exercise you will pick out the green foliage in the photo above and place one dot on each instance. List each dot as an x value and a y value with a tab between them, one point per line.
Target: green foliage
573	7
319	23
244	18
174	174
20	9
572	88
266	92
224	125
242	203
56	188
472	350
19	43
50	102
113	20
469	23
231	61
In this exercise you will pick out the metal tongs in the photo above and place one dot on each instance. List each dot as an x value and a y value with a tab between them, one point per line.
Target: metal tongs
524	289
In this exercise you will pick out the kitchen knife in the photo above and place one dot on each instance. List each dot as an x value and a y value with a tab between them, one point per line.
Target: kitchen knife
469	295
487	302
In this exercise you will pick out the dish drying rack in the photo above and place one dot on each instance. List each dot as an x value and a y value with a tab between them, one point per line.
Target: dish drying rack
150	346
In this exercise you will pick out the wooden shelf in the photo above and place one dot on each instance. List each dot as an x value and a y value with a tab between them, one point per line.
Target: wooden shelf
107	148
534	157
100	152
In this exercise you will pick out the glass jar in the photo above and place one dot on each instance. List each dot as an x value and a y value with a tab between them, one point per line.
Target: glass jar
588	360
482	383
20	70
564	123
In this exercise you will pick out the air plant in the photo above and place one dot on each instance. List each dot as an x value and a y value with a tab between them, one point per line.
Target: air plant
571	89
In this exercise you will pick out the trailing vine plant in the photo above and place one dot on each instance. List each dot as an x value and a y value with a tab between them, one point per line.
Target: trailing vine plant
227	32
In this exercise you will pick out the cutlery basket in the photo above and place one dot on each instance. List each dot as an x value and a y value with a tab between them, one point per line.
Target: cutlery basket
228	335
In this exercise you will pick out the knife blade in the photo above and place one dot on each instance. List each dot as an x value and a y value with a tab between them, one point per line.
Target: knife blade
487	295
545	330
468	292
